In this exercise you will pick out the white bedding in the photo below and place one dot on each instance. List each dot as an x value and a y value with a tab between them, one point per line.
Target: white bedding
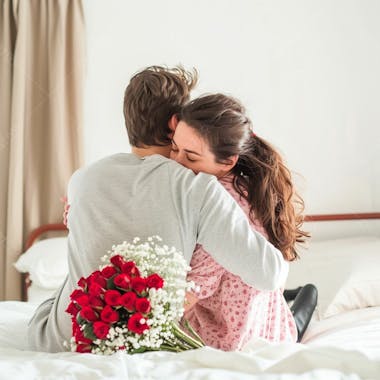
353	330
346	346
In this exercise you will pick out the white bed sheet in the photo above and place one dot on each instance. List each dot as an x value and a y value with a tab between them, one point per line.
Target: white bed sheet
353	330
324	356
14	317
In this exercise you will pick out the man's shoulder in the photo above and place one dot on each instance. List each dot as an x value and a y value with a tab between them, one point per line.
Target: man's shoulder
187	183
179	172
117	164
107	162
98	168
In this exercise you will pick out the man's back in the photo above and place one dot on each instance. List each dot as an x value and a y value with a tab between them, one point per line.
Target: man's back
124	196
114	200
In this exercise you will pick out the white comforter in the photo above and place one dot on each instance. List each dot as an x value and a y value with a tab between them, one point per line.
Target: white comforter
319	359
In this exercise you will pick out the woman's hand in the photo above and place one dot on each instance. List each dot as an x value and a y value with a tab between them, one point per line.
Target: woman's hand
65	210
190	300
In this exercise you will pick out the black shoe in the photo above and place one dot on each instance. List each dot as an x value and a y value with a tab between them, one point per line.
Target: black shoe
303	308
291	294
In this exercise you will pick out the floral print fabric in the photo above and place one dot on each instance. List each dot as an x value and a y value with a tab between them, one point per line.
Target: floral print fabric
229	313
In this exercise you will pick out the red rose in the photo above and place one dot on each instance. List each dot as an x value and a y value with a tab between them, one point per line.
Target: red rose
83	348
97	278
138	284
95	289
128	300
117	260
82	283
72	309
75	326
95	302
135	325
83	300
122	281
108	271
112	297
143	305
88	314
76	329
78	335
76	294
154	281
101	329
130	268
109	315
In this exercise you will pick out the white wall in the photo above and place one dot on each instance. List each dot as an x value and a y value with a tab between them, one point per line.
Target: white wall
307	71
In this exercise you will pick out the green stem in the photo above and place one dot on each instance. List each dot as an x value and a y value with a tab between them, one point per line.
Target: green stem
187	338
170	348
192	331
179	343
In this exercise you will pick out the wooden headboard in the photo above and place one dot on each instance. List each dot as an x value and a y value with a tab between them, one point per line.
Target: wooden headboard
336	217
38	232
44	229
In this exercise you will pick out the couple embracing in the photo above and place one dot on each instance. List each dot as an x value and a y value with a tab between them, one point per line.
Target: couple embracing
206	184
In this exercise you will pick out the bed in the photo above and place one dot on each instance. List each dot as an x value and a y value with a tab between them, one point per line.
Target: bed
342	341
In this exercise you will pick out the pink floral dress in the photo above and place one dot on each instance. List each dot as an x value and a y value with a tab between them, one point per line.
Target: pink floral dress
229	313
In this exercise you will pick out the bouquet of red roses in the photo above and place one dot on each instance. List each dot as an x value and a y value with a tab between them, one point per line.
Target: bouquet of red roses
133	302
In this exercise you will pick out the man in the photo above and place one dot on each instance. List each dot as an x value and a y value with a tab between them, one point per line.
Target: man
144	194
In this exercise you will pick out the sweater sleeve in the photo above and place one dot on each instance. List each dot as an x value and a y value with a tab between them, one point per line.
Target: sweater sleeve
224	231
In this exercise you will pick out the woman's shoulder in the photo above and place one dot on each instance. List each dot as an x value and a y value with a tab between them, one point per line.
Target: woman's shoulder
228	183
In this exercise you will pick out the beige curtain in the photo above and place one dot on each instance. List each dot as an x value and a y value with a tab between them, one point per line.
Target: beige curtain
41	80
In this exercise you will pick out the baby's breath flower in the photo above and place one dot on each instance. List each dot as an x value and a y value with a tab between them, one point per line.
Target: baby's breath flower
166	303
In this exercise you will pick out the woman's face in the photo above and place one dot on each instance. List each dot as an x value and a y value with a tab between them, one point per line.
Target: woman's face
192	151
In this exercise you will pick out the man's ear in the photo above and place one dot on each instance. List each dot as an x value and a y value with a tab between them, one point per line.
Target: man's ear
173	122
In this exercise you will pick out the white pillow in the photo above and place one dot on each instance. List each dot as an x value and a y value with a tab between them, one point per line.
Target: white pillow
345	271
46	262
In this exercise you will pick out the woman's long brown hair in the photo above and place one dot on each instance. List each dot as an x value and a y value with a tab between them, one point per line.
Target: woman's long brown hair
260	175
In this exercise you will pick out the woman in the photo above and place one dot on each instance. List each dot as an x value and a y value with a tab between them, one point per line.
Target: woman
214	136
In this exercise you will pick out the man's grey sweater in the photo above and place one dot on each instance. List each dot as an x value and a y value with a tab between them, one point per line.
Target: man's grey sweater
123	196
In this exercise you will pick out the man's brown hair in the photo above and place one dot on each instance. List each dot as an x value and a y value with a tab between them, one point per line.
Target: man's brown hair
152	96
